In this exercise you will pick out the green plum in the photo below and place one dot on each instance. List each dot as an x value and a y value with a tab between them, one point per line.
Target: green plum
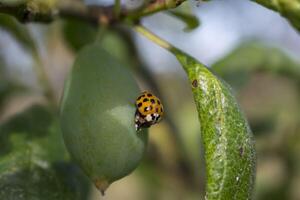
97	117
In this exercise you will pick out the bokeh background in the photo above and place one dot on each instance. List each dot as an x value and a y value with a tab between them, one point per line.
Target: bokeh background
254	49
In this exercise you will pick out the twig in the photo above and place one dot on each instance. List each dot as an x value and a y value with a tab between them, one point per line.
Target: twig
155	6
154	38
181	56
24	14
82	15
113	13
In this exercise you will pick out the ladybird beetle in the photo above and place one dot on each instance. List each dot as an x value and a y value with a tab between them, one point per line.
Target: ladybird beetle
149	110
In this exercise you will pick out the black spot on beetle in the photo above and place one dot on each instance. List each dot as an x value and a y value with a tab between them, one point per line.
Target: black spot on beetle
161	110
145	100
139	98
156	110
158	102
150	107
140	104
149	95
152	116
145	109
152	101
195	83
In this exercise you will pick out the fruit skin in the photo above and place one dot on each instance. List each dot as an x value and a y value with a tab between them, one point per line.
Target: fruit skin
97	117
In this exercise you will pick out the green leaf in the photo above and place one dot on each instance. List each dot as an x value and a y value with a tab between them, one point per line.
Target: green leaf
18	31
186	15
237	67
290	9
33	160
190	20
228	141
78	33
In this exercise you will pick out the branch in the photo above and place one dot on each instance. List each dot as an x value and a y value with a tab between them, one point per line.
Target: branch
23	13
155	6
94	14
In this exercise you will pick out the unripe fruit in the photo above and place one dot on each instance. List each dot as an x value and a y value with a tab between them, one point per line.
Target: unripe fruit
97	117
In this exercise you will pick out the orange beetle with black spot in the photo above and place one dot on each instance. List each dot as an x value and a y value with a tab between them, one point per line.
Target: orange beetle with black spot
149	110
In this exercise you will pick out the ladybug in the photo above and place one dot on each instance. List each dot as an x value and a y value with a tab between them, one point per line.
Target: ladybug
149	110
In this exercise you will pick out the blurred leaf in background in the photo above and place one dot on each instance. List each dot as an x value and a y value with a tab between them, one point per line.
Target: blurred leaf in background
19	31
7	86
78	33
186	15
22	35
33	163
190	20
250	57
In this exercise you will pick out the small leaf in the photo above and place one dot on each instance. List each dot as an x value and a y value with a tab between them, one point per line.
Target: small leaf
32	162
190	20
228	141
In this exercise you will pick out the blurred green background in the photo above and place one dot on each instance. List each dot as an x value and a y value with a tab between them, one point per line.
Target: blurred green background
255	51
